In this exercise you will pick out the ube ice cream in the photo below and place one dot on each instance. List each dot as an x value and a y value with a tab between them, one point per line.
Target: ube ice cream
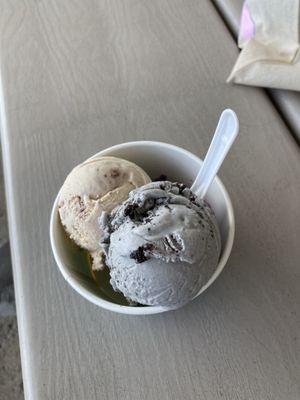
93	187
162	244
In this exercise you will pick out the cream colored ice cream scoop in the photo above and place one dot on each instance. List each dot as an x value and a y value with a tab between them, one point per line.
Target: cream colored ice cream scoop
91	188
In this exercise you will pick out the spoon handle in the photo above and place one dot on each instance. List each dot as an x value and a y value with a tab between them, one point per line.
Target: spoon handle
225	134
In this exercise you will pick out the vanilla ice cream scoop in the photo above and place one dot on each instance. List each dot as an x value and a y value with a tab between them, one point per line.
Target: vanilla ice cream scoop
91	188
162	245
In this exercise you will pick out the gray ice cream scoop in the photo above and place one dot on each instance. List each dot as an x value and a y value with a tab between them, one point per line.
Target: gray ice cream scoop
162	245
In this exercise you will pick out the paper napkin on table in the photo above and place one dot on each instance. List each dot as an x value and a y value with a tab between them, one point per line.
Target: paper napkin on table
269	39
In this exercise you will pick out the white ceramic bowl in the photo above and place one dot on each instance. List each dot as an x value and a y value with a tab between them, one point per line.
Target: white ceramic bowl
155	158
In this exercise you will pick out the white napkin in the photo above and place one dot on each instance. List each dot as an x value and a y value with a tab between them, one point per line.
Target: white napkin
269	39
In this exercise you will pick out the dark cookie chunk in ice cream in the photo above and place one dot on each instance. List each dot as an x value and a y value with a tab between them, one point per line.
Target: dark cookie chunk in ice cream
142	253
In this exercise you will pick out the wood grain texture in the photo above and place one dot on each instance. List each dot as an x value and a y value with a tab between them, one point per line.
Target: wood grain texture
80	76
286	101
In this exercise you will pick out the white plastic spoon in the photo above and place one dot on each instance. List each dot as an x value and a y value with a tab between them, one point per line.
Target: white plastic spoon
225	134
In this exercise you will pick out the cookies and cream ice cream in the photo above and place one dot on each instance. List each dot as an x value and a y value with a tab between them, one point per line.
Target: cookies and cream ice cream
91	188
162	244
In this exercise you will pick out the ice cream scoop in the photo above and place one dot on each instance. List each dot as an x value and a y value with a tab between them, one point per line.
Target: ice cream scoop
91	188
162	244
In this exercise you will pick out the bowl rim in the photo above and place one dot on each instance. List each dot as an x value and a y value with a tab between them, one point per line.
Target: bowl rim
108	305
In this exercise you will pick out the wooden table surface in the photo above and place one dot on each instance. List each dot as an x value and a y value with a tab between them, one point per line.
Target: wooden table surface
77	77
